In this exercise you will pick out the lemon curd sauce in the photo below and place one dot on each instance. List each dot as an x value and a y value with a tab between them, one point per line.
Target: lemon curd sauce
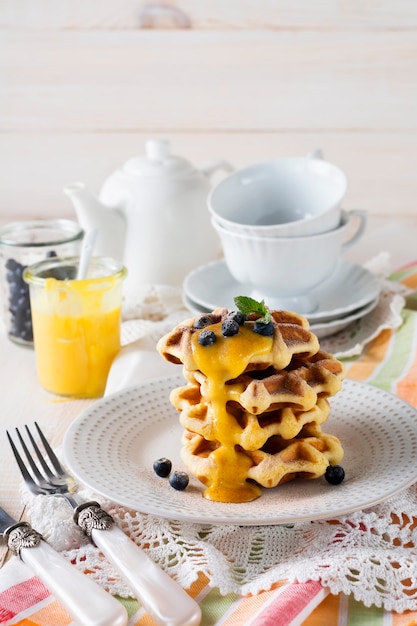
225	360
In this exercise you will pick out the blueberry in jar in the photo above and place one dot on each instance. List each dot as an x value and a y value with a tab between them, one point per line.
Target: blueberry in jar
19	299
19	302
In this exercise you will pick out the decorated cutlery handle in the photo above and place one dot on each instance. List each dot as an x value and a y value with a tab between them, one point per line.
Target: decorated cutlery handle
85	601
163	598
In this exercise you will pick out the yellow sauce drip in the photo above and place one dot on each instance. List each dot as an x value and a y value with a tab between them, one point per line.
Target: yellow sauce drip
224	360
76	338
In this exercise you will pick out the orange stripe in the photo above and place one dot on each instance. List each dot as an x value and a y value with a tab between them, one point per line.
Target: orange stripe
410	281
52	615
248	606
198	586
408	618
145	620
406	387
327	612
374	356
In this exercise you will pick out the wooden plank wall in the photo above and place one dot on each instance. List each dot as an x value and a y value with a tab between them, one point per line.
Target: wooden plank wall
83	84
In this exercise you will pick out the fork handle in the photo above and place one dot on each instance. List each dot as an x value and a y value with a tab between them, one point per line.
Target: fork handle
162	597
87	603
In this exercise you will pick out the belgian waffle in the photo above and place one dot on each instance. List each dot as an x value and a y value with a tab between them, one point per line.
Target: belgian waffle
282	460
291	336
251	431
253	405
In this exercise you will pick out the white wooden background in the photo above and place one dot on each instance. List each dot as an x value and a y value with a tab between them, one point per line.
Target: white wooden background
85	82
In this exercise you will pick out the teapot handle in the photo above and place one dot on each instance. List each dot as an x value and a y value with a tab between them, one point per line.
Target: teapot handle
209	168
315	154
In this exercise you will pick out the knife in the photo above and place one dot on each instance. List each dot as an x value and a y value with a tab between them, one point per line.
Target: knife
88	603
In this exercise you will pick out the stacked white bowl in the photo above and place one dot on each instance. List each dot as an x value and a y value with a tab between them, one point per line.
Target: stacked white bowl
282	227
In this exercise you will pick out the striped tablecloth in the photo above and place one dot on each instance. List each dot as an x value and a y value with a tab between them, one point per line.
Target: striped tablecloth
390	363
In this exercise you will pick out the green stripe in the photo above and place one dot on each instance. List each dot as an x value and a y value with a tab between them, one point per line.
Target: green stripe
411	301
401	274
131	605
400	353
360	615
214	606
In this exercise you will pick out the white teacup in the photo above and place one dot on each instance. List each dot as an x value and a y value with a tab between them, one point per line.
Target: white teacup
288	197
284	270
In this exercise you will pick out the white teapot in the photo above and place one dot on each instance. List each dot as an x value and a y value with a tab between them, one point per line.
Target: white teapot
152	215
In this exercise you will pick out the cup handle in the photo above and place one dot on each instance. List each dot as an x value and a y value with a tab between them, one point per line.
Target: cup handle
362	215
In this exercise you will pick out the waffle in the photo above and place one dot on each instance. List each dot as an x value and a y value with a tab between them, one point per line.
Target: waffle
283	460
253	405
291	336
251	431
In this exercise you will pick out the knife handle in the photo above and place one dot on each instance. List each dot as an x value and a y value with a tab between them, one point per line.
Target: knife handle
163	598
87	602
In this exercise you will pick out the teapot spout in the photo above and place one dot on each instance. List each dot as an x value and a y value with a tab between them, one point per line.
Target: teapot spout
92	214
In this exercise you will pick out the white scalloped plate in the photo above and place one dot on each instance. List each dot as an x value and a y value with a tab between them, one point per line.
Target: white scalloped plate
327	329
350	287
112	445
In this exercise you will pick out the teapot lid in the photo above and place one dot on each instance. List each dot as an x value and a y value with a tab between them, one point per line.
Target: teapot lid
157	161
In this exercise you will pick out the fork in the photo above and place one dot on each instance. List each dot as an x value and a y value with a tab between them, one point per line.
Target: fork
162	597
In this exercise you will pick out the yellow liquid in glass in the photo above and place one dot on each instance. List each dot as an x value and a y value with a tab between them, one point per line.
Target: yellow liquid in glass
75	340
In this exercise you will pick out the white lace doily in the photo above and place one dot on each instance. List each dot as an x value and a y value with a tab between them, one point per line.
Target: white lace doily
387	315
371	554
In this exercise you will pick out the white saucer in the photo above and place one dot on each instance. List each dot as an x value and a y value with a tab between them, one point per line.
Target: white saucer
326	329
320	329
348	289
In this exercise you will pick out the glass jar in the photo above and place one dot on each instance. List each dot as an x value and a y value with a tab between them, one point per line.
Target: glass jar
76	323
22	244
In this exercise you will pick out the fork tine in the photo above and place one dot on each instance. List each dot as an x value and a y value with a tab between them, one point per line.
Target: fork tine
26	476
51	454
38	453
29	457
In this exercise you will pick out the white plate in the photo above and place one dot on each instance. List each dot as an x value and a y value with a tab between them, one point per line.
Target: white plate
350	287
326	329
112	445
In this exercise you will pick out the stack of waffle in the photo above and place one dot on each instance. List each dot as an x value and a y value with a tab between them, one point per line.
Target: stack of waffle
254	405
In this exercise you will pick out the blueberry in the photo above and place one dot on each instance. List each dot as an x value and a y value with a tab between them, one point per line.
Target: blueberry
26	334
179	480
203	321
230	327
263	329
162	467
334	474
51	254
238	317
206	338
11	264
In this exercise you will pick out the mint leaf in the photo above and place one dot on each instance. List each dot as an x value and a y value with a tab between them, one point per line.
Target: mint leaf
247	305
